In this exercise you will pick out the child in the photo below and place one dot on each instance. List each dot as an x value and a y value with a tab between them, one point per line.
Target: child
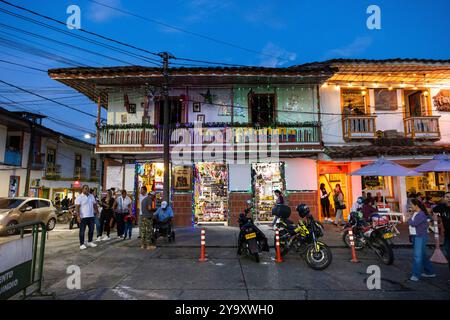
128	219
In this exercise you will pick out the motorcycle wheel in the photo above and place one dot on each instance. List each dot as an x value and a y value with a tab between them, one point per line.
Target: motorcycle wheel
319	260
71	224
383	251
346	239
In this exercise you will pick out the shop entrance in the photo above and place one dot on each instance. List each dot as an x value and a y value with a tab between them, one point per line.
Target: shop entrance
331	175
151	175
266	178
211	193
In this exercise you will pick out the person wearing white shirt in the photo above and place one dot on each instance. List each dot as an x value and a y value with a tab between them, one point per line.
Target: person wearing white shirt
86	208
122	207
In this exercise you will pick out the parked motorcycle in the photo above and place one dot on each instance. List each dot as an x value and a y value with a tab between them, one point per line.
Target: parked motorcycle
63	215
73	220
376	236
251	240
303	238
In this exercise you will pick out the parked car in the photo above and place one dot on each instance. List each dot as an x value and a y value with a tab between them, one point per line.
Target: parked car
22	209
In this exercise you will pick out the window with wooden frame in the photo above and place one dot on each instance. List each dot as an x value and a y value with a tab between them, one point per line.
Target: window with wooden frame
385	99
417	103
355	101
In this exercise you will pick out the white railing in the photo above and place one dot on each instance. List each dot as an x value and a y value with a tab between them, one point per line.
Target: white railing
359	127
424	127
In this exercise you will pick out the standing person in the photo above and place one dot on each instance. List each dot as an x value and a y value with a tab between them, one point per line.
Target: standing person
128	221
106	215
97	215
325	202
65	203
57	202
370	198
142	196
146	226
339	204
418	226
379	199
122	207
86	208
443	210
280	197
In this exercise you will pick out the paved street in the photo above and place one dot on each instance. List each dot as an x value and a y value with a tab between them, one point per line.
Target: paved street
119	269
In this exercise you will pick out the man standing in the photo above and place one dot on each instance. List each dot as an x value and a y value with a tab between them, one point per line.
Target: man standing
146	228
85	208
122	207
443	209
142	196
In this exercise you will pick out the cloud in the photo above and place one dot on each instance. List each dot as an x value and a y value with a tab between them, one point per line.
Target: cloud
264	15
275	56
201	10
99	13
357	47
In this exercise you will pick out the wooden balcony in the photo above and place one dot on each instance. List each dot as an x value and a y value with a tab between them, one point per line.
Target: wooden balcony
423	127
52	171
139	138
359	127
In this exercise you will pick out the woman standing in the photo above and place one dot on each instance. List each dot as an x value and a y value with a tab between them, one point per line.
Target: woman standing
106	215
325	202
279	195
339	204
418	226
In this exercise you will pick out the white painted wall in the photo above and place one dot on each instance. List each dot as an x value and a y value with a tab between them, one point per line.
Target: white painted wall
240	177
330	107
301	174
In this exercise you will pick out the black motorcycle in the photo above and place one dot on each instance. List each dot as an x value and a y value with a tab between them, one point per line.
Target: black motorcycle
251	240
303	237
73	220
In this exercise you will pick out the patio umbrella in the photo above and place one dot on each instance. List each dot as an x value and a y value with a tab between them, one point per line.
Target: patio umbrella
384	168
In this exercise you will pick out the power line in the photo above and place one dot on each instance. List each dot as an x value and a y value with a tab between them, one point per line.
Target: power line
81	29
22	65
71	34
189	32
48	99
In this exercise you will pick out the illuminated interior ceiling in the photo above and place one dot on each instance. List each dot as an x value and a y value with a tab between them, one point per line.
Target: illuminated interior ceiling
370	74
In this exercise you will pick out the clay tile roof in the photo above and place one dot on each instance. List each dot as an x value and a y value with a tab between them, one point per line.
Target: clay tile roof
377	151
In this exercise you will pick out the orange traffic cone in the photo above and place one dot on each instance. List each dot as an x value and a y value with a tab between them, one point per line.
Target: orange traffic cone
438	256
202	248
277	247
352	245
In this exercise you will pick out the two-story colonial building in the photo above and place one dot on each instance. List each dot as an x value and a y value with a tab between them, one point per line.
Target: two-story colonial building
59	166
264	129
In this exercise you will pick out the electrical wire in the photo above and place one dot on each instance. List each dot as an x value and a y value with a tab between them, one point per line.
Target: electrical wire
48	99
22	65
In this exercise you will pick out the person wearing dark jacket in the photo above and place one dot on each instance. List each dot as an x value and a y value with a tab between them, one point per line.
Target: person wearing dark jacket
418	229
106	215
443	210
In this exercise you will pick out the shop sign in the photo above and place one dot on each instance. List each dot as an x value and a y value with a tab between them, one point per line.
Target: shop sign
15	266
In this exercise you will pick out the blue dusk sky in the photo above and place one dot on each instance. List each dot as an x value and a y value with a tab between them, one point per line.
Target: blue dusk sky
259	33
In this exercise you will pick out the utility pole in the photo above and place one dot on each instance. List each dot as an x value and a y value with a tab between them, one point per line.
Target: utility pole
30	160
166	132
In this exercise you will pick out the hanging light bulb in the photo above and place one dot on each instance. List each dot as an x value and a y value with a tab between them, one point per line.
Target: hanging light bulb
350	84
425	93
391	88
364	92
337	87
376	85
325	85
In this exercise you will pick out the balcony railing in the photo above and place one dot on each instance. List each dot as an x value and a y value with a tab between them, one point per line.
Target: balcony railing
424	127
52	171
359	127
13	157
140	136
95	175
79	173
38	161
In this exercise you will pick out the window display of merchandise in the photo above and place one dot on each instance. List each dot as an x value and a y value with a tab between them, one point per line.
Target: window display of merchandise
151	175
211	192
267	177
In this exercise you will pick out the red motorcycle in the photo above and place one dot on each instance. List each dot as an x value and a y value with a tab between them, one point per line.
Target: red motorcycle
375	235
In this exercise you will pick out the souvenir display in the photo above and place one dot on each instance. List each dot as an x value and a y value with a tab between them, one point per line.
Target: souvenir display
211	192
267	177
151	175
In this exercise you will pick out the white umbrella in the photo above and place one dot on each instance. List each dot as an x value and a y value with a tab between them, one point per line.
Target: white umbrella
384	168
440	163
